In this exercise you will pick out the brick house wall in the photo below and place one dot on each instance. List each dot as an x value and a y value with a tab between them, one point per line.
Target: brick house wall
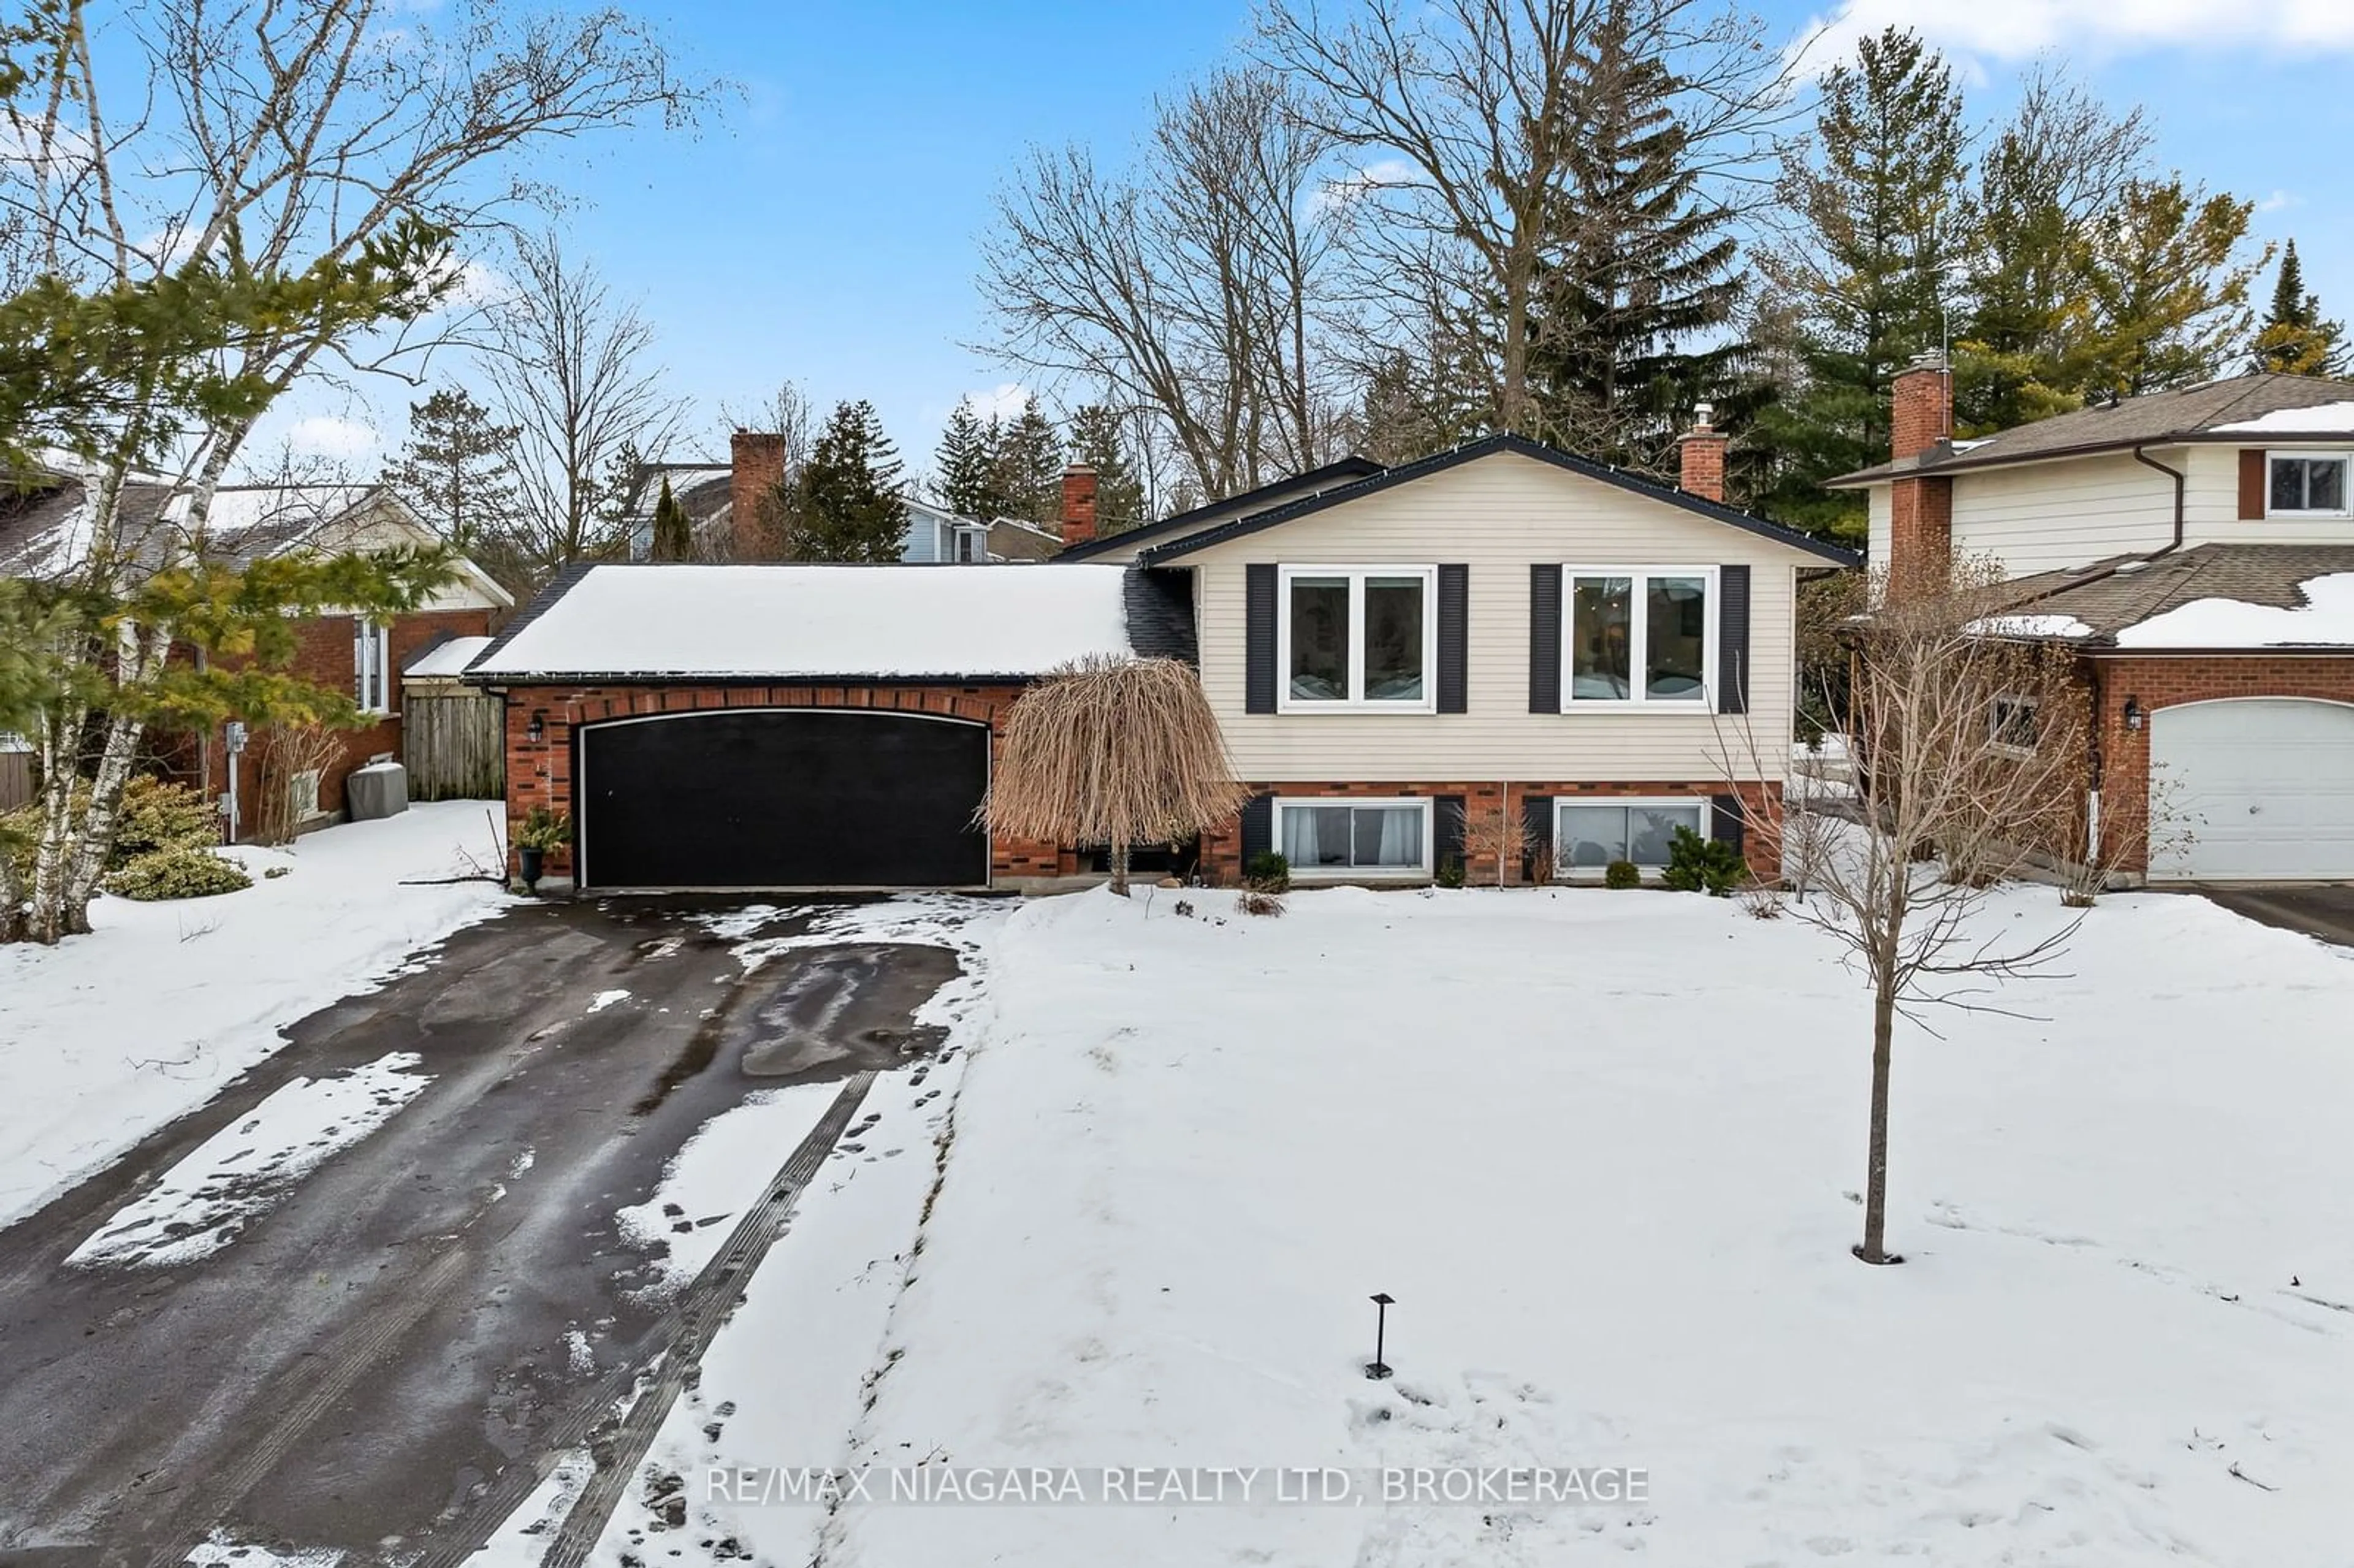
2159	681
323	656
1221	850
539	772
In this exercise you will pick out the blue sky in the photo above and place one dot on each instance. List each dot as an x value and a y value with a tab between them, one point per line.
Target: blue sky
822	229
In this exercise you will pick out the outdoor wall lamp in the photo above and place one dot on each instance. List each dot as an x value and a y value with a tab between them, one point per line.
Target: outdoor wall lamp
538	727
2133	712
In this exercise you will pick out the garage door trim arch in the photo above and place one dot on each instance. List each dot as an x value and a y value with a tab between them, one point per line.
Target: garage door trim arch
581	731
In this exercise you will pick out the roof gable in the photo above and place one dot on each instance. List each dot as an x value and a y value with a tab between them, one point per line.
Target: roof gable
1490	447
1344	471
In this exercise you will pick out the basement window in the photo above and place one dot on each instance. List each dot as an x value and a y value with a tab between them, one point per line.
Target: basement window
1589	834
2308	484
2015	724
1356	838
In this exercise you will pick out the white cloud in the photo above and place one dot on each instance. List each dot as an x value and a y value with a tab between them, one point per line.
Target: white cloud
2016	29
1381	172
2278	200
1003	401
329	436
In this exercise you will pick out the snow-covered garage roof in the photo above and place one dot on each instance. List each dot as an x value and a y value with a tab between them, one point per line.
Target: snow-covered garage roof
674	621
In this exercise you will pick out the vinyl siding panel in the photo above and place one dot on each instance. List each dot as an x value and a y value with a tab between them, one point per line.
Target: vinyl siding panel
1879	528
2213	509
1499	516
2046	517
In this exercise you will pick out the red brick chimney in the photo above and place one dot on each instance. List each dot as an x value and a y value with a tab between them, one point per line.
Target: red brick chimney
1919	510
1078	504
1702	449
758	460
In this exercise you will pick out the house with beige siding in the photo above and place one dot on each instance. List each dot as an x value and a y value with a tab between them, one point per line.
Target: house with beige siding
1390	651
1503	622
2193	551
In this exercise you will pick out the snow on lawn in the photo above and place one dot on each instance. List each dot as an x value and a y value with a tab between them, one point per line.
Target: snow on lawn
1602	1148
201	1203
107	1036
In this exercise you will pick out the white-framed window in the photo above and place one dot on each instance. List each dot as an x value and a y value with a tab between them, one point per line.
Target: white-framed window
1361	639
1638	637
1350	837
2013	723
2307	482
1591	832
372	666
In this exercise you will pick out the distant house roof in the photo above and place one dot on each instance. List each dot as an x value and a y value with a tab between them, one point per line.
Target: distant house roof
2212	597
1492	446
445	660
46	532
1315	479
972	622
2279	408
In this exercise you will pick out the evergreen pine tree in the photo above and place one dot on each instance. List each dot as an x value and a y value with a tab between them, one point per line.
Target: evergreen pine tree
1880	213
966	462
456	470
2295	338
1098	440
674	530
2025	350
850	508
1647	269
2169	300
1030	467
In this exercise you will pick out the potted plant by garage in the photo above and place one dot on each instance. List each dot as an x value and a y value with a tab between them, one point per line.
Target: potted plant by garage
542	830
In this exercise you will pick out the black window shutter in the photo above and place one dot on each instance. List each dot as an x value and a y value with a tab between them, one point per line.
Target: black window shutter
1454	600
1536	810
1544	640
1733	640
1258	827
1725	826
1447	832
1259	639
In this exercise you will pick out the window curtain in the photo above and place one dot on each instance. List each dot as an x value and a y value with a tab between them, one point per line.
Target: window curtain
1299	846
1402	836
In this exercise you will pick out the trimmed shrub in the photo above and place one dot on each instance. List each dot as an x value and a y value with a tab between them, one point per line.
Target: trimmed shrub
157	816
1696	865
176	873
1268	873
544	828
1450	872
1622	873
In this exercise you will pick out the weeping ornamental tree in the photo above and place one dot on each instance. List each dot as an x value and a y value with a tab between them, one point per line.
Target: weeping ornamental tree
1117	752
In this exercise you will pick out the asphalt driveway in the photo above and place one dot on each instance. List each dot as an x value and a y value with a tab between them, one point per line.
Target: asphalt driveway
2318	909
392	1344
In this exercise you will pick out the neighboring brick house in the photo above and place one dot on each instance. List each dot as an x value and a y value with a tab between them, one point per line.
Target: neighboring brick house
2195	550
344	653
1383	647
722	533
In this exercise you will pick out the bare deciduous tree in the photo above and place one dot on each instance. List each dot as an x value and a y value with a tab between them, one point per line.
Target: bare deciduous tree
572	368
1966	751
1117	752
1192	288
277	139
1466	117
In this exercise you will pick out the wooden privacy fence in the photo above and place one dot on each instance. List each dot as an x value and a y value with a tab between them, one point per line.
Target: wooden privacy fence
15	776
454	744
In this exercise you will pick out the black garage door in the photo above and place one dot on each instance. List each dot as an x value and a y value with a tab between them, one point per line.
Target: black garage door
774	798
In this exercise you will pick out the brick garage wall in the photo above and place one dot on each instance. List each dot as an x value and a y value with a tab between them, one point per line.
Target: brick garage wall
2161	682
1221	850
323	656
539	773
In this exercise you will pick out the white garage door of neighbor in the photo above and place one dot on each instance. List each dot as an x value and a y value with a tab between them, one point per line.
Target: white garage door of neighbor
2253	788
